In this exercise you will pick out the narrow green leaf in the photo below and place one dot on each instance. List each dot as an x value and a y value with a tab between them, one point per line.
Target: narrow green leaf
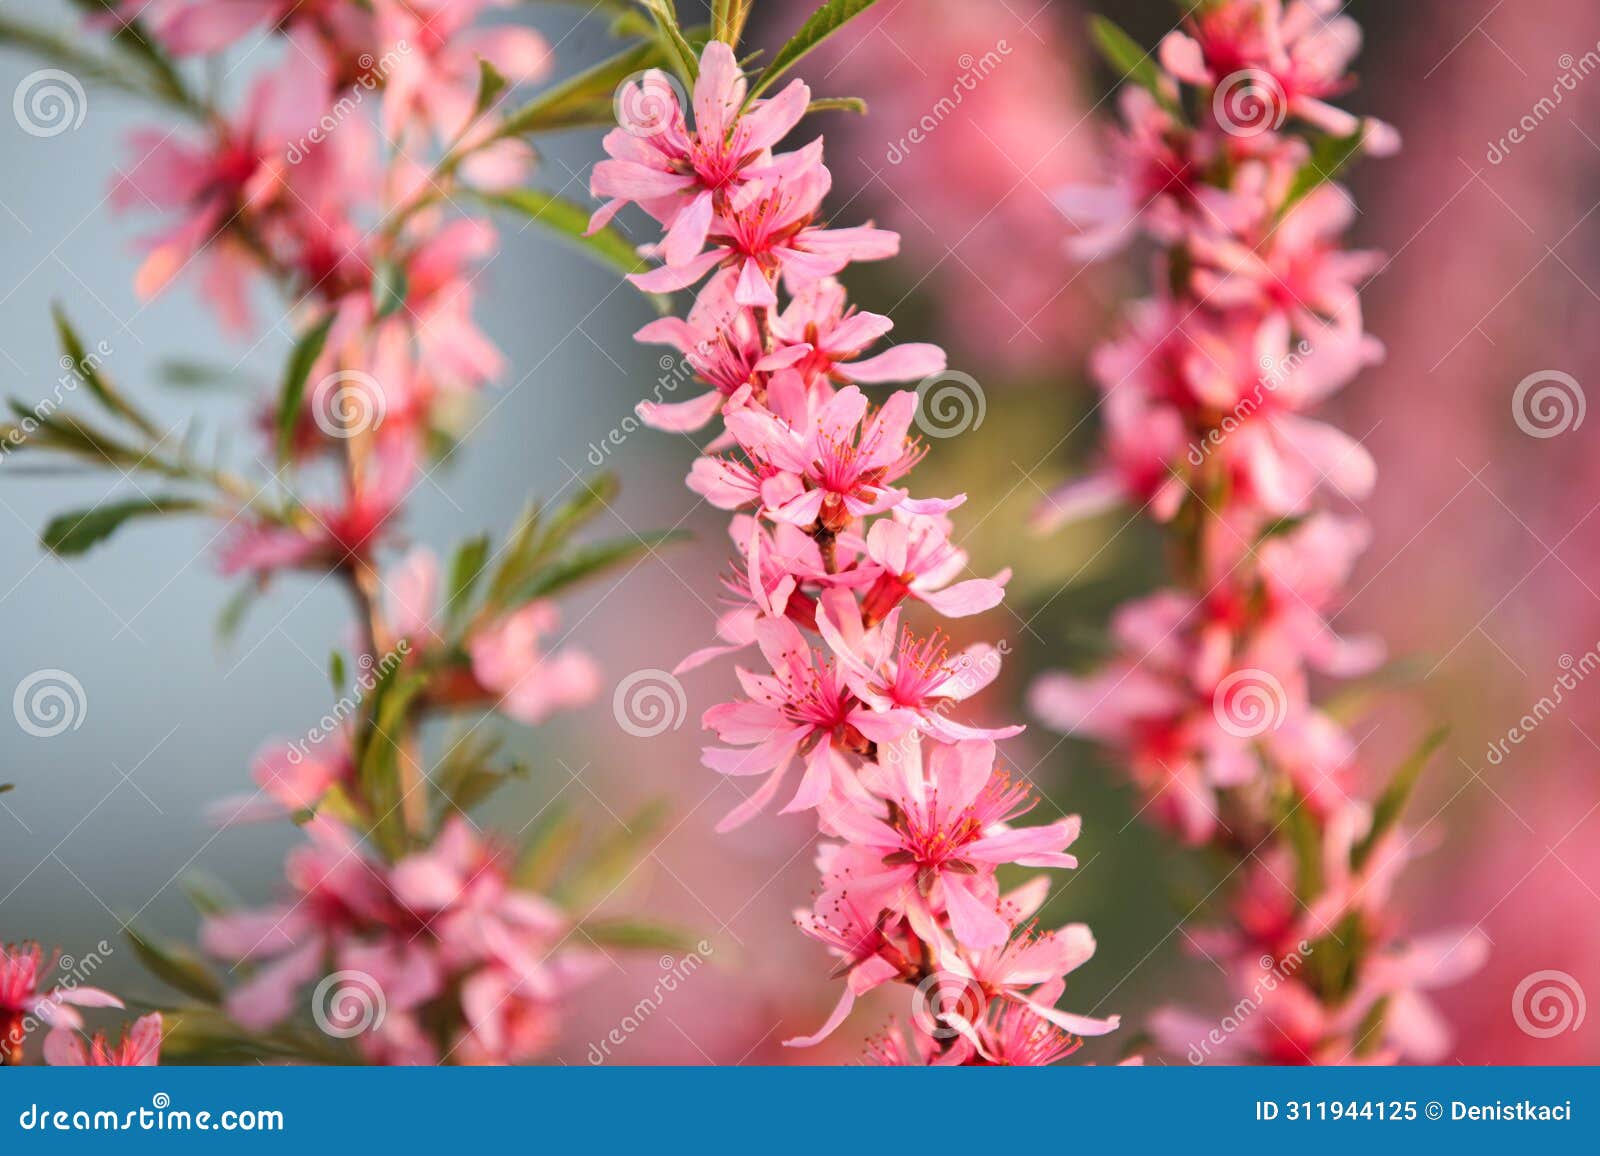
85	367
186	374
73	533
1129	60
592	560
1391	804
728	19
823	23
336	671
638	935
176	966
465	570
545	852
234	610
490	85
679	52
570	222
4	787
838	104
613	858
583	100
1330	156
306	351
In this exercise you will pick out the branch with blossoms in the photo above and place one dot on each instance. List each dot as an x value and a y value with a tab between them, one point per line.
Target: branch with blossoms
405	933
835	565
1227	160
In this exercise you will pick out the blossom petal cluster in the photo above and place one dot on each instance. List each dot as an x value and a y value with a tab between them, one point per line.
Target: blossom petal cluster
850	708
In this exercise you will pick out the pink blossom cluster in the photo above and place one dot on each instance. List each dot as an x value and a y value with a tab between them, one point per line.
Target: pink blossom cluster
833	558
441	935
1226	160
29	999
330	181
329	184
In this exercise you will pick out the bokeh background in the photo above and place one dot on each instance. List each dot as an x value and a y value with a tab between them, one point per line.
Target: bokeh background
1482	574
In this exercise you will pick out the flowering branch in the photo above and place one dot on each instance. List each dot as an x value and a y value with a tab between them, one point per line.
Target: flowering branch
1227	160
834	558
421	938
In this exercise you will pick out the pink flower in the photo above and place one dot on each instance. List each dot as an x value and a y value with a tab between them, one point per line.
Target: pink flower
290	778
803	708
917	560
776	235
140	1048
835	334
948	830
721	342
839	466
508	661
685	178
910	683
1303	48
25	1000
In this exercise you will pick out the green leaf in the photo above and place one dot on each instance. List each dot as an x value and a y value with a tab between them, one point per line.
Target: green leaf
570	221
536	539
679	52
583	100
838	104
73	533
336	671
4	787
176	966
490	85
728	19
592	560
1330	156
234	610
1130	61
465	570
85	366
824	22
1306	843
186	374
1392	803
306	351
546	850
638	935
613	858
